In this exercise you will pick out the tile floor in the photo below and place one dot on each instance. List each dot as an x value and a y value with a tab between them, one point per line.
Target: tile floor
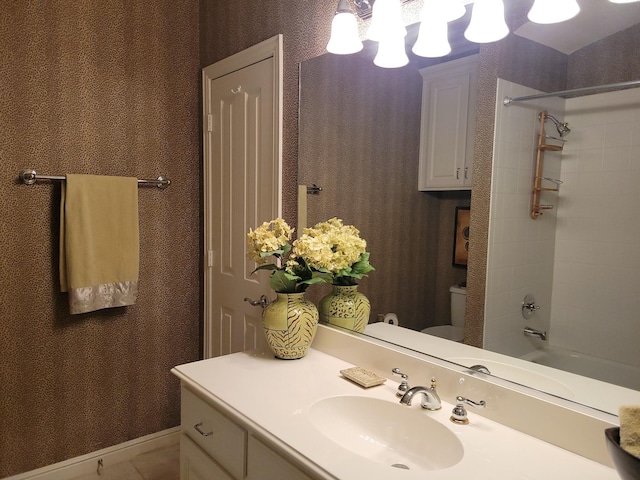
161	464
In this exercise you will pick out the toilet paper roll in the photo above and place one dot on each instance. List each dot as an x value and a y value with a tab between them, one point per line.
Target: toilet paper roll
391	319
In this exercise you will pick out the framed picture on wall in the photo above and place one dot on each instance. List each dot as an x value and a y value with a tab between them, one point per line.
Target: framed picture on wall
461	237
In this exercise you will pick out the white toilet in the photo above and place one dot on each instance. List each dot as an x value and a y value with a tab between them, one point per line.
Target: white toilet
455	331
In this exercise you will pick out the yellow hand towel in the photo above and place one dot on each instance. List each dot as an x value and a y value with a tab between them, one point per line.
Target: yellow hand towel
630	429
99	241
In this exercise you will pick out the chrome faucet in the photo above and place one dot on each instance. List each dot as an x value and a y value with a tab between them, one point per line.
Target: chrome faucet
430	398
535	333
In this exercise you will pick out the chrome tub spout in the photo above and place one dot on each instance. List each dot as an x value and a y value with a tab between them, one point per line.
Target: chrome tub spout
532	332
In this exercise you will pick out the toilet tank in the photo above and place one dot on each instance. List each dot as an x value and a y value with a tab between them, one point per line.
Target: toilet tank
458	302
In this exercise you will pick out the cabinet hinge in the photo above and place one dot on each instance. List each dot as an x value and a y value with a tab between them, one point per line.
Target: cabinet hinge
210	123
210	258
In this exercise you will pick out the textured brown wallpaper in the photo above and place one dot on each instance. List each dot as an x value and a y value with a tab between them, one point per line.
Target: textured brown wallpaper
611	60
229	27
359	140
103	87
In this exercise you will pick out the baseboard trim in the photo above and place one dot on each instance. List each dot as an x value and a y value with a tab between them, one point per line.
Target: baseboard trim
74	467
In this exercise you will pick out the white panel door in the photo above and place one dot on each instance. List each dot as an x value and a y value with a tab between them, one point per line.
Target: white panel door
242	190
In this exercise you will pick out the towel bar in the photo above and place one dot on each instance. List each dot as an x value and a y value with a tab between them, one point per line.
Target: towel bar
29	177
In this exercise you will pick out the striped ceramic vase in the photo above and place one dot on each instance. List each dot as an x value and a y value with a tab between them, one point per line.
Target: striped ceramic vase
345	307
290	323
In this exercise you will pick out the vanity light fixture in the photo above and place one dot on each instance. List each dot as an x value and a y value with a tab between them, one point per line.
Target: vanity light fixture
345	38
553	11
487	22
387	27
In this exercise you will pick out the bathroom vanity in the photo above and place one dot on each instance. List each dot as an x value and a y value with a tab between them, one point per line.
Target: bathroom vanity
219	446
249	415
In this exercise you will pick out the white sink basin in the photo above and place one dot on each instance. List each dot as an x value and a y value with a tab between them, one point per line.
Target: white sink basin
386	432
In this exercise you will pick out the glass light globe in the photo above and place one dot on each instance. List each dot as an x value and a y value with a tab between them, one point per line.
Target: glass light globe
386	20
345	38
453	9
553	11
391	53
433	38
487	22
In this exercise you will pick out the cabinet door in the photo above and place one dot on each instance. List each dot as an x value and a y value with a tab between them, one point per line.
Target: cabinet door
195	464
221	438
265	464
447	127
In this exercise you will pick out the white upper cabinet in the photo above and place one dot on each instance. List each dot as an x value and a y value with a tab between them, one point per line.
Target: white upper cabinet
448	125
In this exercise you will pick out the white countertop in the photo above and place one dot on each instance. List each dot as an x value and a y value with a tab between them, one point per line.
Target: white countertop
272	397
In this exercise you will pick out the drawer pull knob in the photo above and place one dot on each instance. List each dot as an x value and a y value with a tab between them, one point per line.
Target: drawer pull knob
198	428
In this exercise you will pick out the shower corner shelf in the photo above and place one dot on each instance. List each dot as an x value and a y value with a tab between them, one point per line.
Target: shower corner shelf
551	148
543	146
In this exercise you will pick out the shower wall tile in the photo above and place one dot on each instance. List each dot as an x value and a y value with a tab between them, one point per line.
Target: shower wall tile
597	259
635	137
618	134
521	249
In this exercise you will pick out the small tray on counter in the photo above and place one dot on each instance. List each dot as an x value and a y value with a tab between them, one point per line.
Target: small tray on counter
363	377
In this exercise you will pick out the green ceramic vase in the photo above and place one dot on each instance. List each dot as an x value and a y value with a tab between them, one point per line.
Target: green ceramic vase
345	307
290	324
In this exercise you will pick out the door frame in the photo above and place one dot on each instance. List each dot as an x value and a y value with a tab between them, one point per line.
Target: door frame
270	48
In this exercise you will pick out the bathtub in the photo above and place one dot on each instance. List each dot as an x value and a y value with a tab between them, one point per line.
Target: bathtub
587	365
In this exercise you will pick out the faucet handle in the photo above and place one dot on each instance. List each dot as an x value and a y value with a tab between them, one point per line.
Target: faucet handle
468	401
459	413
404	384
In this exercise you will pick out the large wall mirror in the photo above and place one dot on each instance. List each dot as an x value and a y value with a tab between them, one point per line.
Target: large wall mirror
360	140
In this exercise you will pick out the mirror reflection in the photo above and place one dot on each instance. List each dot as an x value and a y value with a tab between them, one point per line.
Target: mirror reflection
360	130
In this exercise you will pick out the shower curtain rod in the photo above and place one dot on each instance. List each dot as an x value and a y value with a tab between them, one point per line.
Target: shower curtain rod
586	90
29	177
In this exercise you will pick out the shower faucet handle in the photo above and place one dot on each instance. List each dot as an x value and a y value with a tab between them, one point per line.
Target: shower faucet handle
529	306
404	383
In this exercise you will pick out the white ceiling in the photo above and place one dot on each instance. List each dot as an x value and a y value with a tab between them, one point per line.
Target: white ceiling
597	19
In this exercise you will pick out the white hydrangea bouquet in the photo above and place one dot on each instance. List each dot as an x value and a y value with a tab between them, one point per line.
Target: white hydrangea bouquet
336	249
290	272
330	252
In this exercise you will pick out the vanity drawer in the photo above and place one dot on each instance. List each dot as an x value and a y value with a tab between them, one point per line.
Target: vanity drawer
263	463
195	464
221	438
